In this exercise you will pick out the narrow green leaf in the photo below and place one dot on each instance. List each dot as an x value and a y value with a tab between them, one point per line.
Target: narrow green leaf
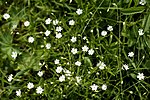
132	10
146	22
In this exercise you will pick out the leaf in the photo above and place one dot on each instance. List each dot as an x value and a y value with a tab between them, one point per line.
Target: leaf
132	10
147	64
87	62
133	75
22	72
146	22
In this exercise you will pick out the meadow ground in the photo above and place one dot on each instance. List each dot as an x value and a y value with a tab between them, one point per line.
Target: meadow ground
75	49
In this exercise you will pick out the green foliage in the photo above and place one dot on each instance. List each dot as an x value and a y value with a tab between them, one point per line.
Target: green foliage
29	54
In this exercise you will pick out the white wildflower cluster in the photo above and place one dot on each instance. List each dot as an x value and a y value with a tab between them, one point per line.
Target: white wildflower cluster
94	87
39	89
109	28
69	66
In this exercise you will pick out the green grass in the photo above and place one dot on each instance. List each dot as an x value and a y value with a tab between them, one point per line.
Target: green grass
125	16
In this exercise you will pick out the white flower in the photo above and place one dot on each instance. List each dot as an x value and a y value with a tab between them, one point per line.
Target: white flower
26	23
71	22
79	11
125	66
14	54
62	78
58	28
140	76
48	21
47	33
40	73
73	39
104	87
85	48
110	28
56	61
130	54
91	52
59	69
30	85
78	63
48	46
10	78
55	22
67	72
94	87
18	93
142	2
78	78
58	35
84	38
74	50
17	33
39	90
104	33
140	32
101	65
6	16
131	92
30	39
91	31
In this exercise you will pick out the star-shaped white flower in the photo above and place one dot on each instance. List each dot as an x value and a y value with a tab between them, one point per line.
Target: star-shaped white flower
14	55
73	39
58	28
130	54
40	73
6	16
78	63
56	61
74	50
59	69
18	93
104	33
104	87
140	76
125	66
79	11
78	78
85	48
141	32
67	72
48	46
10	78
110	28
71	22
94	87
39	90
30	85
142	2
58	35
30	39
47	33
26	23
62	78
48	21
101	65
91	52
55	22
